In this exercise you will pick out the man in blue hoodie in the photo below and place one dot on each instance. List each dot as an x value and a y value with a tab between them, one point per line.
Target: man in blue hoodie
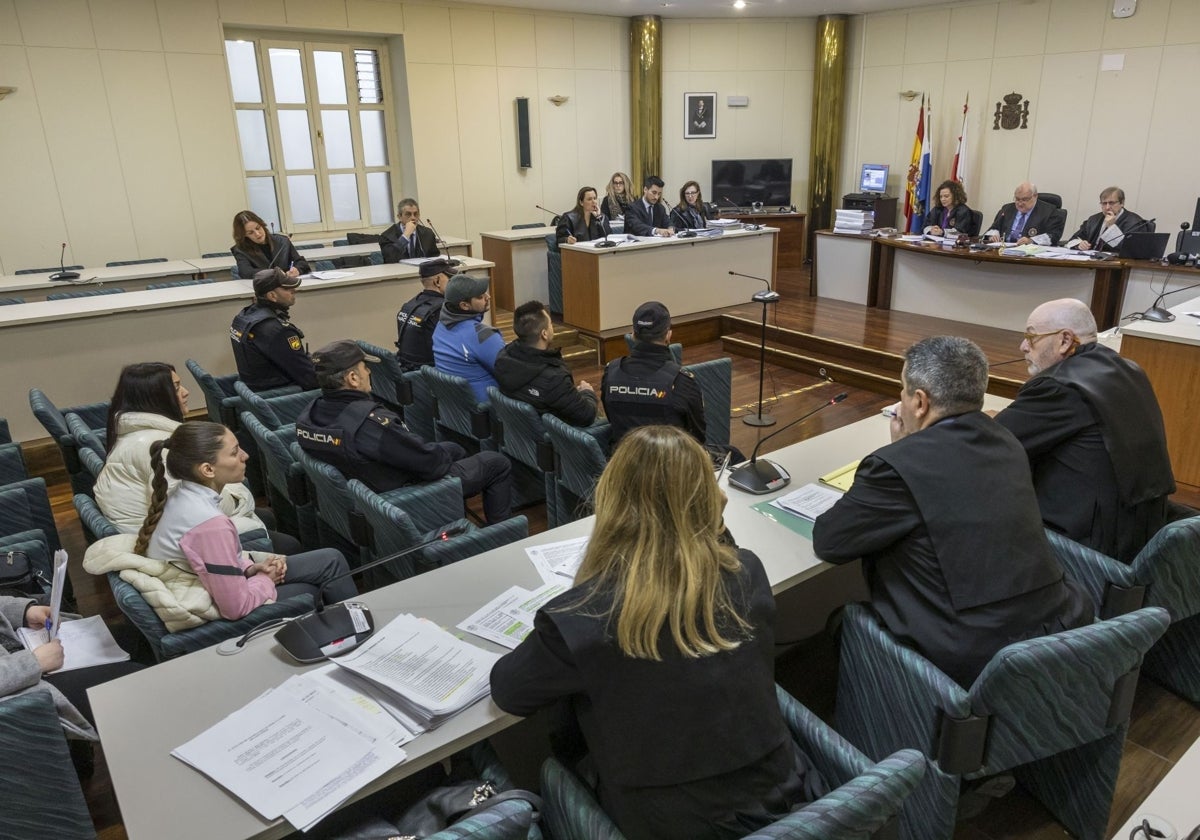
462	344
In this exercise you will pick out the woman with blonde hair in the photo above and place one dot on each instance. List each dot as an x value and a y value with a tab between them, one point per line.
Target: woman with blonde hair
617	196
664	652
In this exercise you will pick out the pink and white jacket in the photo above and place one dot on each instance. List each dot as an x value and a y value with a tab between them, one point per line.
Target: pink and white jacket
193	529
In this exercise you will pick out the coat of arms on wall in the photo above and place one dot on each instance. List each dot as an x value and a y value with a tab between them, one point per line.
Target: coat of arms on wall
1012	113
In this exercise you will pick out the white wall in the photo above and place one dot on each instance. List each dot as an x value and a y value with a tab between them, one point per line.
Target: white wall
121	137
1088	127
771	61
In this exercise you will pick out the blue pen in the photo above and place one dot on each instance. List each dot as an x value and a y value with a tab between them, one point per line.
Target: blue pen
49	624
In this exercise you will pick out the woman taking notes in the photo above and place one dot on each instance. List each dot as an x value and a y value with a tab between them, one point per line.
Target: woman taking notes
664	652
950	211
255	248
188	527
584	223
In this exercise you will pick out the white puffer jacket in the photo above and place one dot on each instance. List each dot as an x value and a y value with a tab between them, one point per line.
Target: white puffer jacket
123	487
173	591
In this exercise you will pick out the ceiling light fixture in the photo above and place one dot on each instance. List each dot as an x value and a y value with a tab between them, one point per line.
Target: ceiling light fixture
739	4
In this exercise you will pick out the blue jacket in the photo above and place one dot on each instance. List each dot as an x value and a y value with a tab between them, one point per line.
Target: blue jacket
465	346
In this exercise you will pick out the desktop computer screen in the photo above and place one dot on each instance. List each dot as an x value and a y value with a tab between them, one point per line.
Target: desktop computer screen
874	178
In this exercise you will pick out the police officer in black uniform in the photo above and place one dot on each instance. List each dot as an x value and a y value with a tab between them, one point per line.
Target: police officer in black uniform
347	428
269	348
648	387
416	320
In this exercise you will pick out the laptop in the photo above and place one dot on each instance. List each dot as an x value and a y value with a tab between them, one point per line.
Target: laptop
1143	246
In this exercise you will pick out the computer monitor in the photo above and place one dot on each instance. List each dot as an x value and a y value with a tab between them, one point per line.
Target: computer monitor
874	178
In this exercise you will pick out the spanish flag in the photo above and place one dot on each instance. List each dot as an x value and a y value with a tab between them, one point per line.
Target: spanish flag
913	221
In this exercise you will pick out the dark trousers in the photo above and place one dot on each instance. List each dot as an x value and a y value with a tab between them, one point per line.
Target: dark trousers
489	473
308	571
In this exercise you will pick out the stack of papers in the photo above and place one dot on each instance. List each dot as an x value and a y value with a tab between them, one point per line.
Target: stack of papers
558	561
842	478
724	223
300	750
1023	250
809	502
853	221
426	673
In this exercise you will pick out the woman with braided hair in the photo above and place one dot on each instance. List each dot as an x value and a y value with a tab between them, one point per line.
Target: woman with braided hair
187	526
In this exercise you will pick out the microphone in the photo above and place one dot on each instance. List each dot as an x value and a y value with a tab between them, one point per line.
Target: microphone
605	242
1162	316
63	274
341	627
731	203
556	216
768	296
759	477
437	237
1183	229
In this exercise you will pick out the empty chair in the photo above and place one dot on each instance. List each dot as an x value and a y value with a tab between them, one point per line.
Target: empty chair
339	524
528	225
286	488
11	301
12	464
715	378
458	416
399	520
976	223
1052	710
55	424
322	265
42	796
220	398
107	290
213	255
1163	574
275	408
864	796
145	261
51	270
388	384
84	435
375	258
580	455
519	433
309	246
194	281
418	412
339	242
24	508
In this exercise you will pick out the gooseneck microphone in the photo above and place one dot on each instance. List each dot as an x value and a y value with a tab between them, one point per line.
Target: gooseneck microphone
437	237
759	477
767	296
555	216
1160	315
63	274
339	628
1183	229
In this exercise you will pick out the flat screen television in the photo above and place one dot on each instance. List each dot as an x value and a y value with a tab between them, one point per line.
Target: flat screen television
874	178
744	182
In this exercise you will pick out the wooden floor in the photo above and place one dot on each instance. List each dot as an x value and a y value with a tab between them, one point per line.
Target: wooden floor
1163	725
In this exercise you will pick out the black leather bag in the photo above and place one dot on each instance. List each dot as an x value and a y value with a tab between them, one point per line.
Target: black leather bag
444	806
25	562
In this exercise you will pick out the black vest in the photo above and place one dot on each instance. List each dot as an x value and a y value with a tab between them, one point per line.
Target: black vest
254	365
641	400
415	323
335	444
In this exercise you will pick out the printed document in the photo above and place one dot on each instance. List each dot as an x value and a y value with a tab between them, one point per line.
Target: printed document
810	501
559	560
508	618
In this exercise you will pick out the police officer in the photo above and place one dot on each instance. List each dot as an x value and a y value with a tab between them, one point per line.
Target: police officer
269	349
347	428
648	387
417	319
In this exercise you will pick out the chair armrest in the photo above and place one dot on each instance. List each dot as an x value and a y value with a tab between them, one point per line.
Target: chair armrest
94	414
866	802
1095	571
475	542
572	812
918	695
837	760
430	505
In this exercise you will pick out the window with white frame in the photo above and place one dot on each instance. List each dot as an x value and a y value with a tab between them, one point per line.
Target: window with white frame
316	131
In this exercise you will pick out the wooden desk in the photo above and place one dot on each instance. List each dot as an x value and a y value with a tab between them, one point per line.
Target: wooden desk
521	272
603	287
37	286
792	240
1170	355
74	349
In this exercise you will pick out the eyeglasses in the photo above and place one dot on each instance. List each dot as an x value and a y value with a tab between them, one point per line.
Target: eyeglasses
692	192
1032	337
1024	198
1113	203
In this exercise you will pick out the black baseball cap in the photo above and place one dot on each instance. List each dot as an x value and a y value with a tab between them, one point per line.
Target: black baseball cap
270	279
436	266
651	319
339	356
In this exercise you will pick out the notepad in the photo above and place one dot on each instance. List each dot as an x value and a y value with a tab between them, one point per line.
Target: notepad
841	478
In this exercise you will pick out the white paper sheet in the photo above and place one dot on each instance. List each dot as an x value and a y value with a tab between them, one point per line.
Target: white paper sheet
810	501
508	618
328	690
558	560
86	642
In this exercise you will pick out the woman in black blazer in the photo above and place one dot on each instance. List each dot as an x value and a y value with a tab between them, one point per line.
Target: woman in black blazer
664	653
584	223
255	248
690	212
949	211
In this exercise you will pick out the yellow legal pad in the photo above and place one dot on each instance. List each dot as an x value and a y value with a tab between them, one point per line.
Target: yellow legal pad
842	477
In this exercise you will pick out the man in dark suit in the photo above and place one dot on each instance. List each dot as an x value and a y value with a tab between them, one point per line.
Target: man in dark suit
408	238
1093	431
1027	220
648	217
1105	231
946	522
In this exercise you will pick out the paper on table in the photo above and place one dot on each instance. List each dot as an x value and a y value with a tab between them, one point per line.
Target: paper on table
281	757
86	642
841	478
331	275
330	690
508	618
558	560
810	501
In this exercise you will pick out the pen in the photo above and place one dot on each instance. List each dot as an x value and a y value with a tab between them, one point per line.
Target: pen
48	625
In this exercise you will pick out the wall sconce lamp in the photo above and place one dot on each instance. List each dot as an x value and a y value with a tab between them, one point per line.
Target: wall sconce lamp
5	91
558	99
910	95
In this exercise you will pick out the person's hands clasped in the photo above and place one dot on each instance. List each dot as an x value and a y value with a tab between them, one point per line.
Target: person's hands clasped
274	567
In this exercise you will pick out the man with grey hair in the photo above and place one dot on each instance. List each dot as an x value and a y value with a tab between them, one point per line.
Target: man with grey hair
1027	219
1091	426
408	238
946	522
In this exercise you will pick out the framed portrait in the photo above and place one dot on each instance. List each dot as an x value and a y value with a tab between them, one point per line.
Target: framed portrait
699	116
